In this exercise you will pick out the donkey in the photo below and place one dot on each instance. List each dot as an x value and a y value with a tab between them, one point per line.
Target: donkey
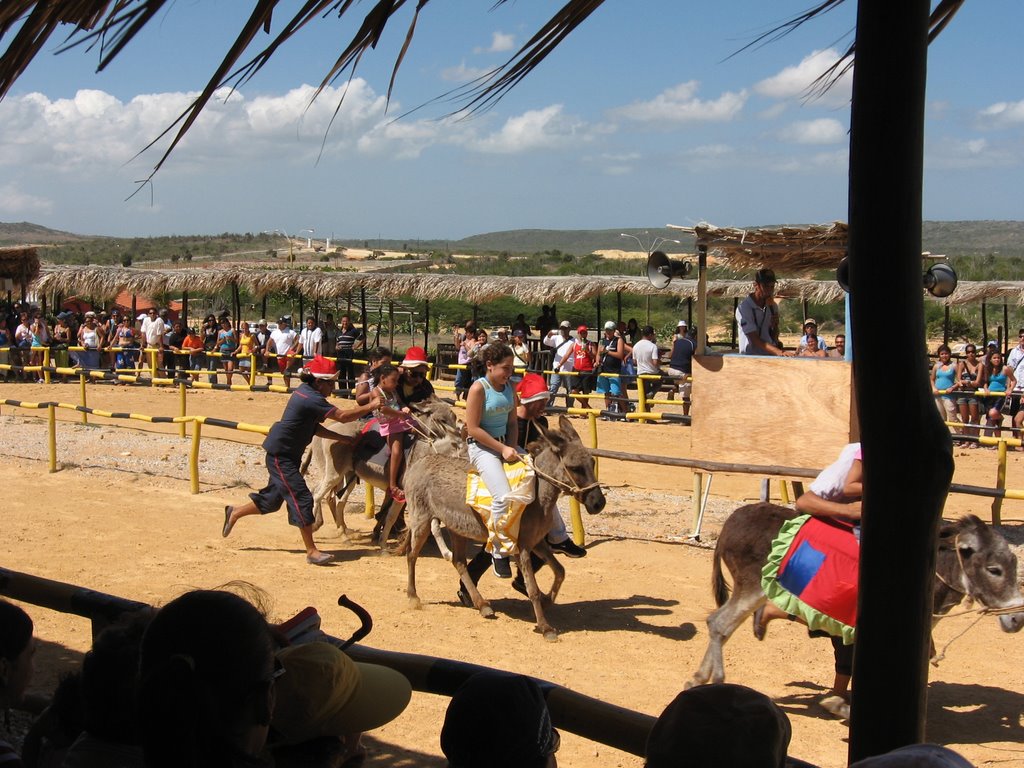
973	561
337	464
435	487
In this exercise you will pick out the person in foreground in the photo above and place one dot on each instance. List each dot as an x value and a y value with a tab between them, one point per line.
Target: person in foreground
720	726
325	701
206	683
499	720
307	408
17	649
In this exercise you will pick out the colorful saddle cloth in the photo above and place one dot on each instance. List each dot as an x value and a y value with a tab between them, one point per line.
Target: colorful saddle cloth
503	534
811	572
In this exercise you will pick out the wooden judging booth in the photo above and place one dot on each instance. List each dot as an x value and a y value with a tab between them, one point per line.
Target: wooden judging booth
792	411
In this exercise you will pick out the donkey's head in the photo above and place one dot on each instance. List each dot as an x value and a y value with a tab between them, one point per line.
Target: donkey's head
989	567
560	453
439	422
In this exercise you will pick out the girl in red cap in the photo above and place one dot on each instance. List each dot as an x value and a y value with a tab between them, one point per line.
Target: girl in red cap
288	438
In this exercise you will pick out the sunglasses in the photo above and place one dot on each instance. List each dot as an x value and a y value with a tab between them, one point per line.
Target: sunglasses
415	374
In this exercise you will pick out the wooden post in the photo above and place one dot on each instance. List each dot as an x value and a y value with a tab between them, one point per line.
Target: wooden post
183	406
598	326
984	325
618	306
426	324
689	311
193	456
302	312
391	326
997	502
945	327
733	341
702	298
648	303
51	426
903	500
184	309
362	308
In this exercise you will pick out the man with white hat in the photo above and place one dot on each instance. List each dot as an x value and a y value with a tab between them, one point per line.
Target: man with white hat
287	440
810	329
561	343
680	364
614	350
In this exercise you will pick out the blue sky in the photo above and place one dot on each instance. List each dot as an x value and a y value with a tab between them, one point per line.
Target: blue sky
641	118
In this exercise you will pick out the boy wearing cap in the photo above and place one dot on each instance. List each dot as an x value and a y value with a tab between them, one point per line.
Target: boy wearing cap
758	318
288	438
613	351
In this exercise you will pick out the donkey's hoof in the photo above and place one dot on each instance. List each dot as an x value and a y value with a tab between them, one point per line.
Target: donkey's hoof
487	612
550	635
415	604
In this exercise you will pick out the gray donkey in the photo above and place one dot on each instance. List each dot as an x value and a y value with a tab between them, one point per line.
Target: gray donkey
973	561
337	464
435	487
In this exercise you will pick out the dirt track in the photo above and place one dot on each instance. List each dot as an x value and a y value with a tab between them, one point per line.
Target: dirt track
119	518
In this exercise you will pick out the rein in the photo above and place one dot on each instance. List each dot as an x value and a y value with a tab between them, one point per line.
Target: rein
571	488
982	612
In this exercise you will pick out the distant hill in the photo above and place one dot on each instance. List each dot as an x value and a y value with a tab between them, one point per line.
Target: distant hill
26	233
952	238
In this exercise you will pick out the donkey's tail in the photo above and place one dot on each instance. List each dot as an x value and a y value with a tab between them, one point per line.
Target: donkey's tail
719	587
403	543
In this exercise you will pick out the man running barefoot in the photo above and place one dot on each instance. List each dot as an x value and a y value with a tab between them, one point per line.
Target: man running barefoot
307	408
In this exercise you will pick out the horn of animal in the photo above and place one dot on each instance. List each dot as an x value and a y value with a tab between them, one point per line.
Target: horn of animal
435	489
973	560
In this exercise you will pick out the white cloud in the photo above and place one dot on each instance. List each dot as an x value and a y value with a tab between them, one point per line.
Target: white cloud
536	129
793	83
463	73
500	43
14	202
679	104
836	161
955	153
824	130
1003	113
94	130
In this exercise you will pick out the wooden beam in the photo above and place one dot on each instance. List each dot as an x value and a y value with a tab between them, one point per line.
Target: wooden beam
903	499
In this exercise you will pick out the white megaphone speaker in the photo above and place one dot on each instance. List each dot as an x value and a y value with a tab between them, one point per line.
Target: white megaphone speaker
940	280
661	269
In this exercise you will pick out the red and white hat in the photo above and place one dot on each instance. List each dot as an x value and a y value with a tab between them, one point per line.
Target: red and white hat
321	367
415	356
532	388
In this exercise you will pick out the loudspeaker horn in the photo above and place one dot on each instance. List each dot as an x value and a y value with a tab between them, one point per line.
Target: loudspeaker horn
940	280
661	269
843	274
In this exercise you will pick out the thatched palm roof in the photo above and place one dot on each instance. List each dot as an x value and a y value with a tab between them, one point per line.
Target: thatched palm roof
786	249
20	264
107	282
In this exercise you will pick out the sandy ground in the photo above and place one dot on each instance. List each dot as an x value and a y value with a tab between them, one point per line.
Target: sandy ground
118	517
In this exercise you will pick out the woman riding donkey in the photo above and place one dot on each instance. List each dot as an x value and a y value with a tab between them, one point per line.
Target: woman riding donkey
834	497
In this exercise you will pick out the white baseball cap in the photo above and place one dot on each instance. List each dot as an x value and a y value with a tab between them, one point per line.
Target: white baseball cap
682	324
610	325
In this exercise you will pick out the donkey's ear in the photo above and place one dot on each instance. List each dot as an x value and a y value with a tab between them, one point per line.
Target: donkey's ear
566	428
549	437
967	543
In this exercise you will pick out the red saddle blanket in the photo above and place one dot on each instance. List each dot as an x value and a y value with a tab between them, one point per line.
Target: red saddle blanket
812	572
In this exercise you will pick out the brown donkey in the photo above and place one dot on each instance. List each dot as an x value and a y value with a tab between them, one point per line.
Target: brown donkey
435	488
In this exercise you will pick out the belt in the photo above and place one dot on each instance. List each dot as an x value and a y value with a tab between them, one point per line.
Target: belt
473	441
